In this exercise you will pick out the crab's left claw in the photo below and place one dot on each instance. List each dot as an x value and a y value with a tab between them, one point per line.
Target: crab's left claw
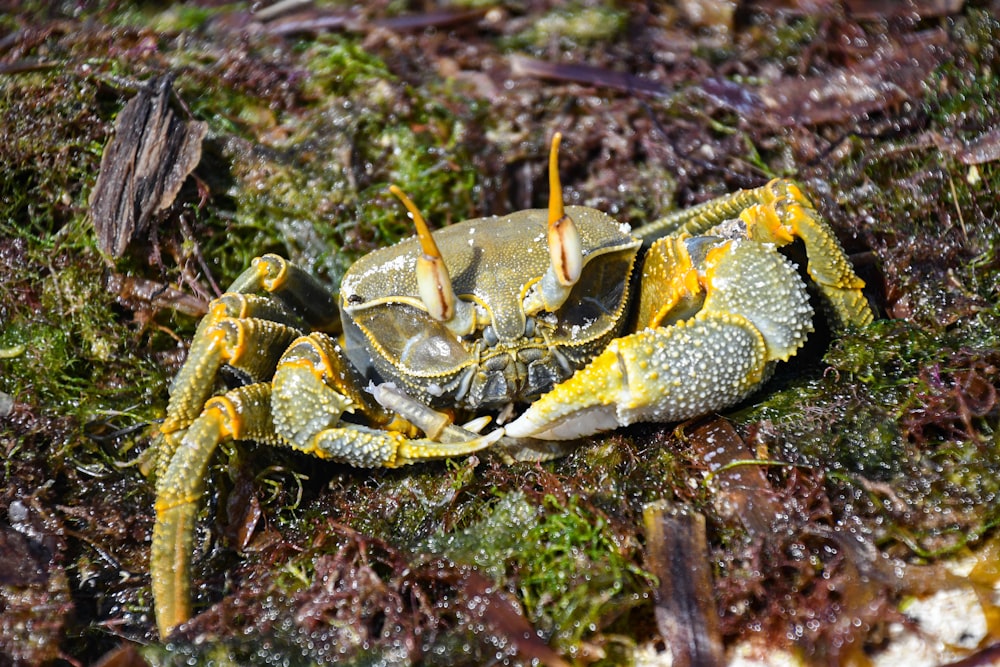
750	310
654	375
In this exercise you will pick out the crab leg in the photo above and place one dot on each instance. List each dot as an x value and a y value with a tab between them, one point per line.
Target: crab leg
240	413
220	339
751	309
238	317
785	214
697	220
301	412
295	288
655	375
247	332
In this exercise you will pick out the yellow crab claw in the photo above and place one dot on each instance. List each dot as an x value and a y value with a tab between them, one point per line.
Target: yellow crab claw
695	367
754	311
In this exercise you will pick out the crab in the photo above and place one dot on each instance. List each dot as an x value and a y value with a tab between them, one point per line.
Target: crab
565	310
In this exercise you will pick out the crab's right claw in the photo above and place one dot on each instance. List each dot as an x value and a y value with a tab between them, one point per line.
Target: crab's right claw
310	397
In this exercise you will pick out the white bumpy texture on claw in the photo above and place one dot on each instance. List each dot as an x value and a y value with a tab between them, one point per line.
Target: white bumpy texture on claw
757	312
692	368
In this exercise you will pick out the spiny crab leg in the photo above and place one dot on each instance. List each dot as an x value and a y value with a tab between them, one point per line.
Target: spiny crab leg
241	413
223	337
309	401
301	410
785	214
236	321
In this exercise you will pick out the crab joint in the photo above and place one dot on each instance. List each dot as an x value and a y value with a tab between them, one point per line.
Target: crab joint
565	249
433	280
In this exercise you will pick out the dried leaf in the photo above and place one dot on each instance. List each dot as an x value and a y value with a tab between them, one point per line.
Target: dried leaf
863	9
677	553
143	166
742	489
587	75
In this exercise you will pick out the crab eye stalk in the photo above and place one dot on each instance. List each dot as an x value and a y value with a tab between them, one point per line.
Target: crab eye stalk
565	249
433	280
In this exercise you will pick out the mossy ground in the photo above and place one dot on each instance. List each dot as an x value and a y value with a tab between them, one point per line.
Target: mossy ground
889	433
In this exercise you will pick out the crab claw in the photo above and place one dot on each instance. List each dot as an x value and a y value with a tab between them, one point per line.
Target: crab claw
666	375
755	311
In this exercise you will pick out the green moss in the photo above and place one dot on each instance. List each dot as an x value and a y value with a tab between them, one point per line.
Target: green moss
319	195
848	419
76	357
938	218
572	575
180	18
577	578
53	301
573	25
962	91
51	147
340	67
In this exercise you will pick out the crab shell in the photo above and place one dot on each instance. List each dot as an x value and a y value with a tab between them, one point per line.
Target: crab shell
512	353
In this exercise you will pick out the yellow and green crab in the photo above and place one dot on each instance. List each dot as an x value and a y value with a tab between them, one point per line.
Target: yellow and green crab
560	310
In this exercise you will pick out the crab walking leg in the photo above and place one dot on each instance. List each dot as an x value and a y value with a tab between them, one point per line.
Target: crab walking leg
238	324
785	214
240	413
696	220
299	291
752	309
246	414
252	346
312	389
245	331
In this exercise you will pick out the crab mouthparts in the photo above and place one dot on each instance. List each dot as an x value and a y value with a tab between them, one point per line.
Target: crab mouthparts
513	376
